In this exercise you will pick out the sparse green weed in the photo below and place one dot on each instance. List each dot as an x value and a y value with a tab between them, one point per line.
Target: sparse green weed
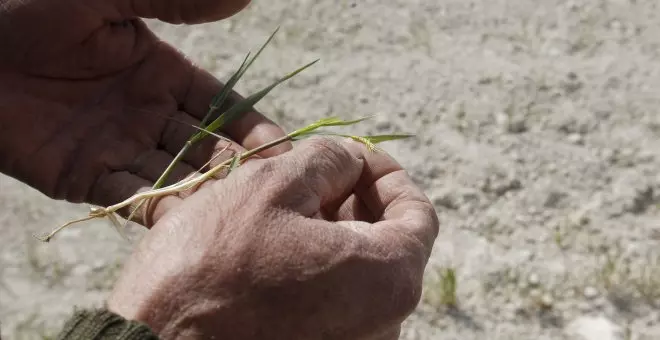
441	290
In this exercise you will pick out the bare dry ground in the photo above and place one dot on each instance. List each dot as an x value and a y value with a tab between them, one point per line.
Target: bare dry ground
537	139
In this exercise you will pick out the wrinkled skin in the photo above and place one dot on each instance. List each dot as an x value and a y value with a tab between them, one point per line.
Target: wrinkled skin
322	242
333	246
86	89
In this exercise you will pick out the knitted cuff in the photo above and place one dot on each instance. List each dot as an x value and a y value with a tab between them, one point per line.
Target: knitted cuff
104	325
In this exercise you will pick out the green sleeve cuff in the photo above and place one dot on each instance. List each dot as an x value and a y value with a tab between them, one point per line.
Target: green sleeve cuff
104	325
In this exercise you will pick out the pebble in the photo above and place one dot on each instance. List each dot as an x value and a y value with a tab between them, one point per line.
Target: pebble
533	280
547	301
382	123
576	138
593	328
501	187
516	126
553	199
445	199
590	292
81	270
646	157
511	124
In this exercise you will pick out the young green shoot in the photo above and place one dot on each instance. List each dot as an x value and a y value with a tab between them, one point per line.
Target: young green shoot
229	164
210	129
216	103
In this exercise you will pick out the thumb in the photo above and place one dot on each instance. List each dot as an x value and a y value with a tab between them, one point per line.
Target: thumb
317	171
181	11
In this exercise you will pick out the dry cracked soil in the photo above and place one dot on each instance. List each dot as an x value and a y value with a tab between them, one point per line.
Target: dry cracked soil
537	138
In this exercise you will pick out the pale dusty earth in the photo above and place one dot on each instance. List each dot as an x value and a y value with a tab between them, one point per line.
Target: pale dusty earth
537	137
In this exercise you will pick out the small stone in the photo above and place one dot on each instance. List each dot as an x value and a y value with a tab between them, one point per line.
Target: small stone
646	157
546	301
554	52
580	219
469	194
642	199
627	157
576	138
517	157
516	126
382	123
445	199
553	199
434	172
511	124
502	187
593	328
81	270
590	292
534	280
98	265
522	219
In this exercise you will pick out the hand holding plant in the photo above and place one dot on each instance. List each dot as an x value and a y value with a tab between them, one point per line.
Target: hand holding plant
327	241
94	106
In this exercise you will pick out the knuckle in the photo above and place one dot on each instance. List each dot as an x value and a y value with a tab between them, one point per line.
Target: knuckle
269	177
411	301
434	222
328	151
399	276
260	169
407	289
409	258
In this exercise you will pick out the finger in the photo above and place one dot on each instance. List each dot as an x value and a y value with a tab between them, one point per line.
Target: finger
178	131
348	209
115	187
250	130
393	198
181	11
316	172
151	164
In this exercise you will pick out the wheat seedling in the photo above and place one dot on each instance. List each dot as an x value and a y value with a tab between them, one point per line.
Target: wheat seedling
216	103
441	290
206	130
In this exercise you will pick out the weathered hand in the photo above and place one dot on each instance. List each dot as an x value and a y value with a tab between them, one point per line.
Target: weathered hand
327	241
85	89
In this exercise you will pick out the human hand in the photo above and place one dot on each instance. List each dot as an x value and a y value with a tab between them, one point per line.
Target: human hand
327	241
86	89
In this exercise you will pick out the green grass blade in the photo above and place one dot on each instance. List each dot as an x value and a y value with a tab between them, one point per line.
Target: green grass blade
386	138
247	103
272	35
369	141
220	98
334	121
216	102
326	122
234	163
